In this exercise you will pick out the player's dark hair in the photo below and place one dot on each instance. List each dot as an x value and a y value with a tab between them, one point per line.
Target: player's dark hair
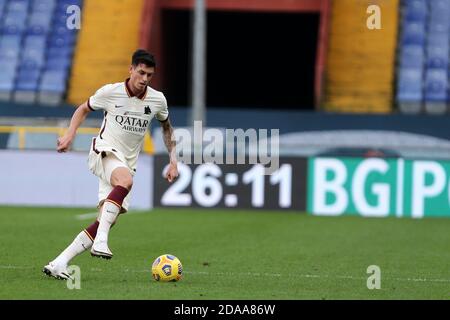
142	56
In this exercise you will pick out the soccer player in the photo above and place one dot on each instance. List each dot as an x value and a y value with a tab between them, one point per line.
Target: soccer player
128	108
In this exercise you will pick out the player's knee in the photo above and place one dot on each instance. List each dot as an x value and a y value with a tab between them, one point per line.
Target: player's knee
125	181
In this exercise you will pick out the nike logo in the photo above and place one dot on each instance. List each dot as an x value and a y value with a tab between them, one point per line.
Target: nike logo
119	106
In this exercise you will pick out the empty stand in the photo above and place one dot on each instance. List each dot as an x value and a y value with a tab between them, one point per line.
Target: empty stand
112	28
36	47
422	81
361	62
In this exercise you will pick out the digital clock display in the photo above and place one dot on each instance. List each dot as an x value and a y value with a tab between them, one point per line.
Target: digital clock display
232	186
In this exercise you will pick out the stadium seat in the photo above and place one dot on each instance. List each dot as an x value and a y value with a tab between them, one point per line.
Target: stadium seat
9	64
33	57
6	86
409	90
26	83
58	63
52	87
9	52
10	41
55	52
18	5
437	56
37	42
2	7
436	83
415	10
439	9
34	39
44	6
413	33
438	27
412	56
39	23
14	23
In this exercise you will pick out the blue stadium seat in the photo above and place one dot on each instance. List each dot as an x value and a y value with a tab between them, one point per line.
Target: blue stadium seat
60	41
36	48
33	57
6	82
58	63
412	56
13	23
27	84
2	7
6	86
52	87
10	41
437	56
415	10
38	42
9	63
436	91
437	39
409	90
9	52
39	23
438	27
53	81
28	73
8	69
35	42
18	5
45	6
439	6
436	85
410	85
413	34
56	52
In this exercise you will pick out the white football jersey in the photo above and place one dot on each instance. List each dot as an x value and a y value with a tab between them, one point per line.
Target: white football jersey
127	117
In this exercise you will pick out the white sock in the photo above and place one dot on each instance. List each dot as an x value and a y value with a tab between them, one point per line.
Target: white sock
80	244
110	212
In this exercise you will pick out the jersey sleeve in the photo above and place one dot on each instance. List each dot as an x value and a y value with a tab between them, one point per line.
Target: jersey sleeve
163	114
100	99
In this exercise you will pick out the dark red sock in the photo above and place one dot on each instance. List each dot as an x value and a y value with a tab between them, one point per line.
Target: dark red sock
92	230
117	195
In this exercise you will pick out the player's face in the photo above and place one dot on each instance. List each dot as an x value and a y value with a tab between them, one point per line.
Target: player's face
140	76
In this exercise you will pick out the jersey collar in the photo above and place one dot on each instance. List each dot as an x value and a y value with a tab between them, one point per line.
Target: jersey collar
130	92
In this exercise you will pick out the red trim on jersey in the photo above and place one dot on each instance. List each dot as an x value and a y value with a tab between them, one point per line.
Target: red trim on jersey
89	105
104	126
164	120
93	146
130	92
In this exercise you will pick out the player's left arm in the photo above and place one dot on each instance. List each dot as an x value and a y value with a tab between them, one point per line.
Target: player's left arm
169	141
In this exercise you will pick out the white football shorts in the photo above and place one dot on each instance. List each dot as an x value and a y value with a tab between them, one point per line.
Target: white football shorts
102	164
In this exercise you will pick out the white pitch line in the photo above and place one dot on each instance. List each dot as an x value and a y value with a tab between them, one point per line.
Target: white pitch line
92	215
295	275
256	274
86	216
15	267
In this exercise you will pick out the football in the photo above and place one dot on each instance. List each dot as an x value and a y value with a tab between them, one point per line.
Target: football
167	268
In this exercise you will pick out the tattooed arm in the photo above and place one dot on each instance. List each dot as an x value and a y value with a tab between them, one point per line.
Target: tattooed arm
169	141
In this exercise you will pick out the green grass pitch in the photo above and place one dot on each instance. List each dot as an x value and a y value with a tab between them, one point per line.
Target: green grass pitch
229	255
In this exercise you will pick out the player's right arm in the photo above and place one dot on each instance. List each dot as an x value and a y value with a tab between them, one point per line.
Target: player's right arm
78	118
